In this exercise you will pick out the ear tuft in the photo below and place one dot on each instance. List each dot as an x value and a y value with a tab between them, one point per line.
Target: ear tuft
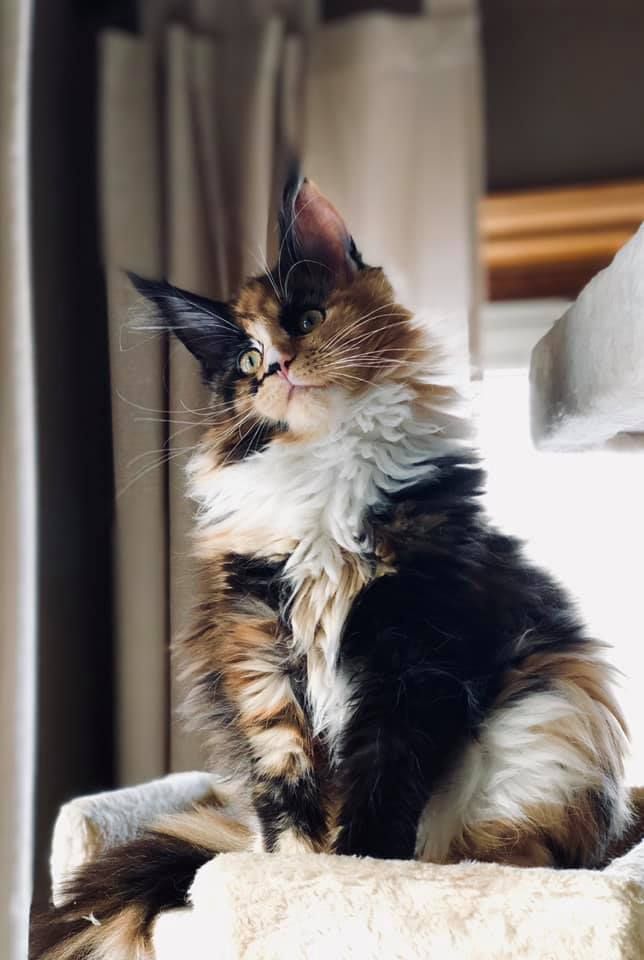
204	326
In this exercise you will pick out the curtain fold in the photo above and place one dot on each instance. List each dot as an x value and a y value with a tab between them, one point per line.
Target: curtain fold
132	222
389	138
384	111
192	239
18	555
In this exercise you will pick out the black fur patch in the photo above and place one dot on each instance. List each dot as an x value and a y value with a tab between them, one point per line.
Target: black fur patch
429	648
153	873
256	577
206	327
299	805
306	281
253	437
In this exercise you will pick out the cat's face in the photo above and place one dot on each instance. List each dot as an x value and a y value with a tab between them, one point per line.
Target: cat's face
296	344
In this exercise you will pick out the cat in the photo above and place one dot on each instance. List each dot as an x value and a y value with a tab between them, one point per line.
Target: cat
384	671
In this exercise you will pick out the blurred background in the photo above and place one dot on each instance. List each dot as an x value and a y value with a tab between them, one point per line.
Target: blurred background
490	154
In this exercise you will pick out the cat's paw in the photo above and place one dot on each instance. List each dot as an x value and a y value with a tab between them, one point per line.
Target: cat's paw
290	842
258	844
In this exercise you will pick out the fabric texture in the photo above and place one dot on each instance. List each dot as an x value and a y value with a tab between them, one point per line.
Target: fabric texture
200	117
88	825
319	906
261	906
587	373
18	551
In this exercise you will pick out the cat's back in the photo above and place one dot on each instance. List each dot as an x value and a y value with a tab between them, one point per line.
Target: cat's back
450	573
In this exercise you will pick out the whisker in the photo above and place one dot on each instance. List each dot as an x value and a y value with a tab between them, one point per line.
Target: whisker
372	333
288	230
348	376
345	338
235	428
220	405
167	458
374	363
242	437
262	263
139	406
340	349
297	264
189	423
387	326
360	321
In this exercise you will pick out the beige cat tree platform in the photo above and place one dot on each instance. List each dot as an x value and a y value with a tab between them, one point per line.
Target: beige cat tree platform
250	906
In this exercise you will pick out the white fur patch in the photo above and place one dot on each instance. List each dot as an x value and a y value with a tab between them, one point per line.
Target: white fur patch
315	494
273	745
291	843
513	765
267	691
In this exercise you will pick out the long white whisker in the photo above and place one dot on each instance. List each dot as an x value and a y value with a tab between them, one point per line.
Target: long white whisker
262	263
139	406
189	423
297	264
349	376
374	363
169	456
242	437
281	249
373	333
341	347
360	321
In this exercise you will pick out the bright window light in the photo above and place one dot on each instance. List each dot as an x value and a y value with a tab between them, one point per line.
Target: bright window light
582	516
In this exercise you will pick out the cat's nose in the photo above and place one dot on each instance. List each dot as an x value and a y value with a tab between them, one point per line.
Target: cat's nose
277	362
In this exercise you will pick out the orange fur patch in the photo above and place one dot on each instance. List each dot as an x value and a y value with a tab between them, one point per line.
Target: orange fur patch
547	836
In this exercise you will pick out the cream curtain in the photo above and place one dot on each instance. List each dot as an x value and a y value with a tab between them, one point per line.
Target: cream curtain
198	115
18	488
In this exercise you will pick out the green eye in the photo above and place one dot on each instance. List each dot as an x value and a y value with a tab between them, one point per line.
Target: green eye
249	362
308	320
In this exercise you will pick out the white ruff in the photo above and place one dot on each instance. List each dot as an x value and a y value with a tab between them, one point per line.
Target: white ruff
315	495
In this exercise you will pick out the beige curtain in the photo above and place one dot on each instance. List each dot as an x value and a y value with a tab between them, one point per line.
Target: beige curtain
197	116
18	488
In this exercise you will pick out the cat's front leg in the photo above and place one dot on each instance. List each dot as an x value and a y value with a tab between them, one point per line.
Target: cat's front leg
384	793
292	813
285	774
387	774
410	717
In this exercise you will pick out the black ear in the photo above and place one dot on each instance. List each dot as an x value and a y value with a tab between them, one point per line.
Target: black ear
205	327
313	230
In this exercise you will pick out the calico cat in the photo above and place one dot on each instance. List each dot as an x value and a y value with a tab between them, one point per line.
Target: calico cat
382	668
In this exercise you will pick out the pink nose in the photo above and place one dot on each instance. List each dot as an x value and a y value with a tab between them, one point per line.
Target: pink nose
278	362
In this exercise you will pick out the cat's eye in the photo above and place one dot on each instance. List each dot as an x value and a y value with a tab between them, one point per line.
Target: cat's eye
249	362
308	320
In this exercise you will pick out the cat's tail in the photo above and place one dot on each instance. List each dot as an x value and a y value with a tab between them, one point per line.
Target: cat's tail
110	904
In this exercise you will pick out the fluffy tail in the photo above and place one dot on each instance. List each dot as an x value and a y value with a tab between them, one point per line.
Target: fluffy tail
111	903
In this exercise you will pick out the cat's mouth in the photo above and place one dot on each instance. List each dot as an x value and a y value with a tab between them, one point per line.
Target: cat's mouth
296	386
300	399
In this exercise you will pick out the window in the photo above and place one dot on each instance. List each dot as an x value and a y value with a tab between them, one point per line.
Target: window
581	514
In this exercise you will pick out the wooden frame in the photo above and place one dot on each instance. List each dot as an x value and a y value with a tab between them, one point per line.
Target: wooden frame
540	243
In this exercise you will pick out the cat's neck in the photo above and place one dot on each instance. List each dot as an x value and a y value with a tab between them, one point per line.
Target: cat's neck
311	497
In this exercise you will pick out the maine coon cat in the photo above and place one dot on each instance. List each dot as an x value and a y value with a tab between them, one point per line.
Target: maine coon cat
382	669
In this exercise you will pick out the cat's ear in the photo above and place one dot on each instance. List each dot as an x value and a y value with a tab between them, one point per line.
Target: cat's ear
313	230
204	326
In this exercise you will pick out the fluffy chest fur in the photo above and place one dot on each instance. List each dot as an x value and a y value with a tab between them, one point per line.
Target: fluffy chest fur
305	504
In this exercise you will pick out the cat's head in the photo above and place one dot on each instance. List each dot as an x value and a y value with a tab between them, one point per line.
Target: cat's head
299	343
